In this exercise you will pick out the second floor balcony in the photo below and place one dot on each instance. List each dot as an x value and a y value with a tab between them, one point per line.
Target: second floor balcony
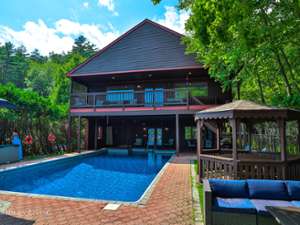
152	97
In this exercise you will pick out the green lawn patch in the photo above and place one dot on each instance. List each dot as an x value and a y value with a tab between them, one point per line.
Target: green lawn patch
199	188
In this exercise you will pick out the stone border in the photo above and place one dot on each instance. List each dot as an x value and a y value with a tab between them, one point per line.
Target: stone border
140	202
197	213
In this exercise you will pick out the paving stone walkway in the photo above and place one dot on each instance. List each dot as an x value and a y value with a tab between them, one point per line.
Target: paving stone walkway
170	203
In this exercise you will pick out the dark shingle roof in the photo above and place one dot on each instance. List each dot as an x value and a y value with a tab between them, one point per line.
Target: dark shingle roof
148	46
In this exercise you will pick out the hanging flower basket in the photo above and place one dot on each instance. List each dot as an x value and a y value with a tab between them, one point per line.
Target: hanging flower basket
51	138
28	140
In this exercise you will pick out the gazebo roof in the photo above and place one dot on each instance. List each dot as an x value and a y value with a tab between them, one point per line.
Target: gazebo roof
247	109
6	104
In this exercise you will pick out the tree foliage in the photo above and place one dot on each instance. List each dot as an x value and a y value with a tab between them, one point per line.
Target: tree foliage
250	46
38	85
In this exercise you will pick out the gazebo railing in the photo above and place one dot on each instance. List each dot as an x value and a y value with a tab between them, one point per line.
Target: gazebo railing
212	166
215	166
260	169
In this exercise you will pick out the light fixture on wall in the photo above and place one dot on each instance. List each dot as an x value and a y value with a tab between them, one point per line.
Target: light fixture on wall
149	75
113	78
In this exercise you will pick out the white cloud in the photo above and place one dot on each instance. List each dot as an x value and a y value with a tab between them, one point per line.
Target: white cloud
109	4
85	5
174	19
59	38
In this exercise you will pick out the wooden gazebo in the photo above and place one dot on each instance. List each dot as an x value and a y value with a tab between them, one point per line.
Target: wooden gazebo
242	157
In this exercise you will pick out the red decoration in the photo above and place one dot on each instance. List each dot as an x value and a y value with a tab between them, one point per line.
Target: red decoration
28	140
51	138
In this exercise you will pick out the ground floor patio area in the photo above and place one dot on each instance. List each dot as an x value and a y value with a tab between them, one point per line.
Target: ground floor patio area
169	203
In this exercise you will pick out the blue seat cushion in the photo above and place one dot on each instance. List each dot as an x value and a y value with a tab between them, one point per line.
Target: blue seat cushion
260	205
268	189
296	203
234	205
293	188
229	188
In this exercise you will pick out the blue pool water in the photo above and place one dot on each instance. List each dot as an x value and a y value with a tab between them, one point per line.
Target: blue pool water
102	176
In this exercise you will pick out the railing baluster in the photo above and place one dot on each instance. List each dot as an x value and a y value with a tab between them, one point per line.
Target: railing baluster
151	97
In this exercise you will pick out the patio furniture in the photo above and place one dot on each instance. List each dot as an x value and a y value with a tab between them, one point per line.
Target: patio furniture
9	153
285	215
6	104
244	202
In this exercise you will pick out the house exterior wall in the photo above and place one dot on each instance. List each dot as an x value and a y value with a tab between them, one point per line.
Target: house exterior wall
144	73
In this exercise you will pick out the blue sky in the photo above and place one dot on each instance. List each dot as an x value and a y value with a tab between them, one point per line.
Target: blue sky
53	25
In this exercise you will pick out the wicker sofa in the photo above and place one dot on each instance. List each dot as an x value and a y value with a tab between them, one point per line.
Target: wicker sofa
243	202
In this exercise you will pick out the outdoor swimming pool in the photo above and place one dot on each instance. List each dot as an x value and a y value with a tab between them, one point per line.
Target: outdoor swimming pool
96	176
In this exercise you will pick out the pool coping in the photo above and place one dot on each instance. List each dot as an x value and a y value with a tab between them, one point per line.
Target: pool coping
140	202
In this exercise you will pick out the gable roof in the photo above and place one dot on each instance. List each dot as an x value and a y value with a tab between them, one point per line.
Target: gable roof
146	47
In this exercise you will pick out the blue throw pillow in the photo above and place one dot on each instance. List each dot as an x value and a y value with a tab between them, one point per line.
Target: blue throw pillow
229	188
268	189
293	188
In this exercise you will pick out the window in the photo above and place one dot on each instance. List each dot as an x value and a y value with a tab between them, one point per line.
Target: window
119	94
199	89
190	133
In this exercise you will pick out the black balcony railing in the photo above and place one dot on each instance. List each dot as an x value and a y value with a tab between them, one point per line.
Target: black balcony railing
151	98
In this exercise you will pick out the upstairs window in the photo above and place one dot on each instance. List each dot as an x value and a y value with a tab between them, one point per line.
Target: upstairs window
198	89
120	94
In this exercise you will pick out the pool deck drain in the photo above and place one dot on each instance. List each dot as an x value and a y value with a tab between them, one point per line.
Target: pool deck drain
111	206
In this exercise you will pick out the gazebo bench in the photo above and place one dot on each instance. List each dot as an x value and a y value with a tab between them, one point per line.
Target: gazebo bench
243	202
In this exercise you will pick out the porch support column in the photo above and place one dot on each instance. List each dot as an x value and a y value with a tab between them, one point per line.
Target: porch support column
177	134
234	146
79	134
69	133
282	140
199	148
298	121
96	134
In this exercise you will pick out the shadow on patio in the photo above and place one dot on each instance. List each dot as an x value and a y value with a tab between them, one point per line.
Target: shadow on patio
10	220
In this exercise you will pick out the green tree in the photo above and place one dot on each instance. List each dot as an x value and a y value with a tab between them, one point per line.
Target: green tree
250	46
83	47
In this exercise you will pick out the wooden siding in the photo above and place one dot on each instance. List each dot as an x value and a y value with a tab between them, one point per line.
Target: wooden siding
146	47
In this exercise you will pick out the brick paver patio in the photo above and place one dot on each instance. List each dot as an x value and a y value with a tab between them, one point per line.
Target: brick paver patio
169	203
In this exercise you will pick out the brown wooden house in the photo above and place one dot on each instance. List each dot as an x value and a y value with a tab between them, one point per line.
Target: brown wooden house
142	91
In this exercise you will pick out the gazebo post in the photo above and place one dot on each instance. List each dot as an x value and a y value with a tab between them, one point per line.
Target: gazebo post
282	140
218	136
234	146
249	128
199	147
